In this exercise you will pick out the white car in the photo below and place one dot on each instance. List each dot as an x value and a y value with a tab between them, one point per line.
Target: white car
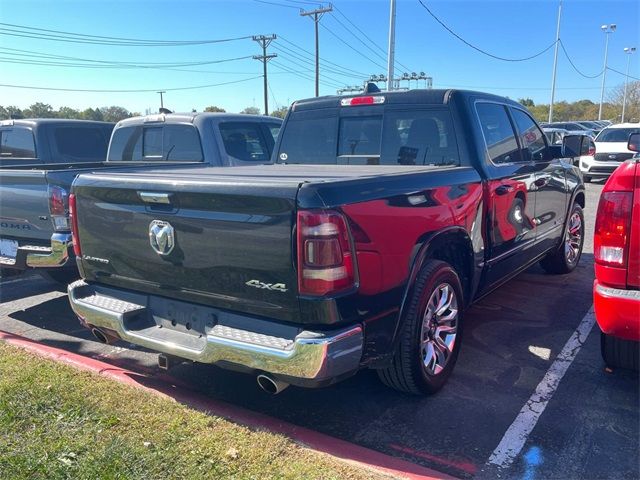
611	151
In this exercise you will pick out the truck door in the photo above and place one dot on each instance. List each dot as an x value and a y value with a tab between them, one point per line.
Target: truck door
510	209
549	184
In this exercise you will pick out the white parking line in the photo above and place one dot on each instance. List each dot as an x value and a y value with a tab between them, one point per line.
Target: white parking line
518	432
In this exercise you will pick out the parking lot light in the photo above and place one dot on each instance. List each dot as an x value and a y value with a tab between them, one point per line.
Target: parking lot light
628	51
606	29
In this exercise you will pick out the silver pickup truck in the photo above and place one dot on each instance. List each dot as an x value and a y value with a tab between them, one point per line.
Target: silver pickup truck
40	159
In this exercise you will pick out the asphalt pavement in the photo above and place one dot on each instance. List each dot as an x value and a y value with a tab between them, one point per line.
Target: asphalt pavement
589	427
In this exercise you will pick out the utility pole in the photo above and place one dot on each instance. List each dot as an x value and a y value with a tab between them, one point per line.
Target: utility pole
628	51
161	99
607	29
265	41
555	64
317	15
392	44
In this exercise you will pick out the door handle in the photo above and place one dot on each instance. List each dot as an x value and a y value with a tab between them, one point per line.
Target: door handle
504	189
155	198
541	182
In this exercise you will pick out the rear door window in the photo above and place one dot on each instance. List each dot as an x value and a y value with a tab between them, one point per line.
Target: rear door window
174	143
498	133
17	143
244	141
532	139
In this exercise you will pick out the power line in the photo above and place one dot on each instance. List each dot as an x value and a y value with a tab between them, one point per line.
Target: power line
278	4
566	54
308	69
304	76
287	51
622	73
351	47
62	36
484	52
280	37
93	63
155	90
367	37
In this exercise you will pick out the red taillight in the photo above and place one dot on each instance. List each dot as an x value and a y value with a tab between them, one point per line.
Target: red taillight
592	150
73	216
613	228
57	201
325	253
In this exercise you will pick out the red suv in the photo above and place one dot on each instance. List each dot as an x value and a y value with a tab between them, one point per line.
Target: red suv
616	289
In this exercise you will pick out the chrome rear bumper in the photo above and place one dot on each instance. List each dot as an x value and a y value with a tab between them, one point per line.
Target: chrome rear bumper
252	343
36	256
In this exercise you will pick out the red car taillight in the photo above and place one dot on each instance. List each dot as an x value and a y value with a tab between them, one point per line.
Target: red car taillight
613	228
325	254
58	207
73	217
592	150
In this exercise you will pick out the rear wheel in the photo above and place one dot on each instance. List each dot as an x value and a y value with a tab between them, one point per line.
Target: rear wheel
565	258
619	353
430	337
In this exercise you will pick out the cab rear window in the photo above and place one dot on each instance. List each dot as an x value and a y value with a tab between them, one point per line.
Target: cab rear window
383	137
173	143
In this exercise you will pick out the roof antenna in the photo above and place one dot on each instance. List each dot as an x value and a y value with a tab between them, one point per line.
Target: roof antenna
371	88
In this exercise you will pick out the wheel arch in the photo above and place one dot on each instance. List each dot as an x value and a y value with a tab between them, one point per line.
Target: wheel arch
451	245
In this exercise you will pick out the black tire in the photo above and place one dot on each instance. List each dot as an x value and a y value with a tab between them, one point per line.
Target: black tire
62	277
619	353
408	371
566	257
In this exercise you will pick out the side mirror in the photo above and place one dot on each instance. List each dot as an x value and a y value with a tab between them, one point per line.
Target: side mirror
634	142
572	145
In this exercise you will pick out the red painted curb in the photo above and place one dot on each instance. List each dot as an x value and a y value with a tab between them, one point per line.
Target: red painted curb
341	449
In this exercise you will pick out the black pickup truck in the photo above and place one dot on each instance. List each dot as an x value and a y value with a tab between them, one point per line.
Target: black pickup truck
40	158
385	216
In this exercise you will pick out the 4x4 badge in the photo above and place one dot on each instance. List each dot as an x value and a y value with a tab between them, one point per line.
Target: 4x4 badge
278	287
161	237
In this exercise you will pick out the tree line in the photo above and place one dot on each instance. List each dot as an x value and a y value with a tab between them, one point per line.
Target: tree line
588	110
106	114
562	111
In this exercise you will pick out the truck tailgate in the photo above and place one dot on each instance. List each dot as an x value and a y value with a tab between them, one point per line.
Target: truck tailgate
232	238
24	206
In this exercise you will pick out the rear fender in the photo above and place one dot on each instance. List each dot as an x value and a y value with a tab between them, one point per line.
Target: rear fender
428	249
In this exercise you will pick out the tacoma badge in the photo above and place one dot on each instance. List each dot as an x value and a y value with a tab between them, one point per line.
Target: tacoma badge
161	237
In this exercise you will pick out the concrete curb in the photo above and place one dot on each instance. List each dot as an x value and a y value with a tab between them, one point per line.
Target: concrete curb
341	449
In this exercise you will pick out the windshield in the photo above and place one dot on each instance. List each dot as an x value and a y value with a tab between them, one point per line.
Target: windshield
370	136
616	134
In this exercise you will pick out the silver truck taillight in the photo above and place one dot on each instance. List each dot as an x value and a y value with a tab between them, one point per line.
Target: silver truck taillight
59	208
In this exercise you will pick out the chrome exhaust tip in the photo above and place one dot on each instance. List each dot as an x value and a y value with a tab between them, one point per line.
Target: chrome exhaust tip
101	336
271	385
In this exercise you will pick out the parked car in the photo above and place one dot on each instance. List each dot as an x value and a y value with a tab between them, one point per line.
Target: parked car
611	151
45	156
572	126
616	289
385	217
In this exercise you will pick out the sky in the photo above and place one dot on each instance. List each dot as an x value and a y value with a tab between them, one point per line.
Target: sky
510	29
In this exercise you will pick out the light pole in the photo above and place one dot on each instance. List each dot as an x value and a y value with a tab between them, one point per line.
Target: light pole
555	64
607	29
392	44
161	99
628	51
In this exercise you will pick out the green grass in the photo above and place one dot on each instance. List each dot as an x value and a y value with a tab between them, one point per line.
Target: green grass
57	422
